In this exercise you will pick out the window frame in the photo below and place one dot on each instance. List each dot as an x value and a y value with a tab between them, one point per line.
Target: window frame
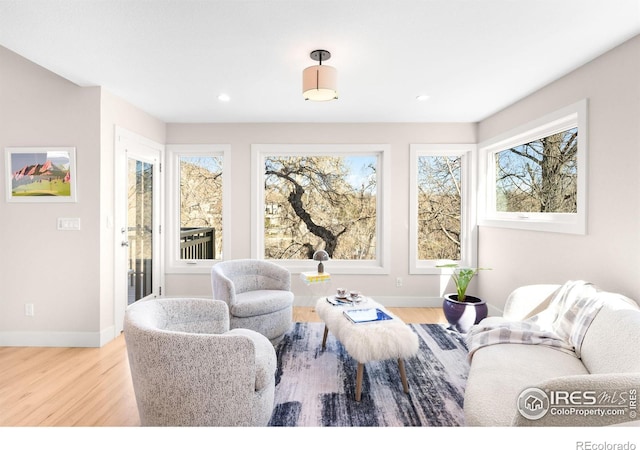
468	225
174	153
574	115
381	264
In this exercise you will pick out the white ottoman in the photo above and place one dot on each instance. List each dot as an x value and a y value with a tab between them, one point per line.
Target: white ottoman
372	341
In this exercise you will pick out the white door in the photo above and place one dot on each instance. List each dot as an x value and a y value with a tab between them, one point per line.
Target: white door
138	271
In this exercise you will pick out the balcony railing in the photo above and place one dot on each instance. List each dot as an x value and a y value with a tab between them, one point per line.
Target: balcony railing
197	243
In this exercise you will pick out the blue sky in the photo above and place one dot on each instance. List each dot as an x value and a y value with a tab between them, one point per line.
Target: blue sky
359	167
19	160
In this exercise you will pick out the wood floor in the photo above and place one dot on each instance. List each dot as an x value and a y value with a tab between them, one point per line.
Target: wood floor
43	386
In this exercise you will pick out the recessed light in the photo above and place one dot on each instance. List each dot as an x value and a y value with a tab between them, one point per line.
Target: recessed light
224	98
422	98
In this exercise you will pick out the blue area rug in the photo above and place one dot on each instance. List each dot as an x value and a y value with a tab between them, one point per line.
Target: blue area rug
316	387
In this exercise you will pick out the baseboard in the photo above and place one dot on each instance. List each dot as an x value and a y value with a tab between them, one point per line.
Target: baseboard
107	335
50	339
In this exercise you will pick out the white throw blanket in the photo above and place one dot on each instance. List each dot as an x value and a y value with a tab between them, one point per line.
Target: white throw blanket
562	325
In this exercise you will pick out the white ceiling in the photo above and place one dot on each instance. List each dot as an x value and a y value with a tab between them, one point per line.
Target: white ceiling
172	58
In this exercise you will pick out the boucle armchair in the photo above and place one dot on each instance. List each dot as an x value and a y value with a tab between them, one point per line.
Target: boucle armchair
189	369
258	293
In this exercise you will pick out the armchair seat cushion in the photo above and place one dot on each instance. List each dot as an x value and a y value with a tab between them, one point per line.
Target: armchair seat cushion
257	303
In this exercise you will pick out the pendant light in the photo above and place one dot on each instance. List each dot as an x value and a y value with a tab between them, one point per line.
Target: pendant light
319	82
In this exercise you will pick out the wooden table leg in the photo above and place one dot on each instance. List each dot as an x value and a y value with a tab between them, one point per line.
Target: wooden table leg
403	376
359	381
324	338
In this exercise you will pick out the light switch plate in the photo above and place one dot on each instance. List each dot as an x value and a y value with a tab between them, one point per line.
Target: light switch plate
69	223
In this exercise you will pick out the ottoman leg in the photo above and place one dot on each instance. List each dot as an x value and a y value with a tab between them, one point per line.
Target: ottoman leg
403	376
324	338
359	381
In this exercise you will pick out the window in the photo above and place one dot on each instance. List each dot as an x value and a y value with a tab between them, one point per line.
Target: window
320	197
535	176
442	226
197	206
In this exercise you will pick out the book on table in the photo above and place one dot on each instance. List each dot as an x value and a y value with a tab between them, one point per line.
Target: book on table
315	277
366	315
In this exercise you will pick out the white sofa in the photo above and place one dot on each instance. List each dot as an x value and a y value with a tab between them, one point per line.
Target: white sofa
609	362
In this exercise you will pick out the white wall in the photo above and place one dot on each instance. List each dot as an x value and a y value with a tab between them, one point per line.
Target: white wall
66	275
56	271
609	254
417	290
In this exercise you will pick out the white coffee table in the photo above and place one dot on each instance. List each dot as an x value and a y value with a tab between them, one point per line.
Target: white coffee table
373	341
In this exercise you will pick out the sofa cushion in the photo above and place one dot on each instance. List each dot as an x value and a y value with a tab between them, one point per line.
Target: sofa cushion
499	373
527	301
612	341
255	303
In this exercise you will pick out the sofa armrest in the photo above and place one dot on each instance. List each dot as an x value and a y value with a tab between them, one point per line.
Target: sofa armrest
526	301
598	400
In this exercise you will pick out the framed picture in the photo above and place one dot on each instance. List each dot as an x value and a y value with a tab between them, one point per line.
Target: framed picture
41	174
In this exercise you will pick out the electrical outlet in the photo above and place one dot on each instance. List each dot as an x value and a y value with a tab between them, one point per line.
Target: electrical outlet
398	282
28	310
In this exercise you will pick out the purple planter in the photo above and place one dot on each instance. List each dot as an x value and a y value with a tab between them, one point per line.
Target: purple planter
463	315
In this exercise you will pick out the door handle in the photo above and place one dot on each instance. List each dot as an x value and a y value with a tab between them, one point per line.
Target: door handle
124	243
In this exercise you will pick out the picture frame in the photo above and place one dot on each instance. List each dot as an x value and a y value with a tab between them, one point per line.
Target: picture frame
40	174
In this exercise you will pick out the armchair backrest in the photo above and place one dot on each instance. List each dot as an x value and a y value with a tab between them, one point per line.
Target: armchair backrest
190	315
244	275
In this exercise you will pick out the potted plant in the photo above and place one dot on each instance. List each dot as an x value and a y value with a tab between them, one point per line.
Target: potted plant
462	311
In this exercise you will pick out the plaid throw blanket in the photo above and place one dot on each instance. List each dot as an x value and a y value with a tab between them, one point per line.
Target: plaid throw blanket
562	325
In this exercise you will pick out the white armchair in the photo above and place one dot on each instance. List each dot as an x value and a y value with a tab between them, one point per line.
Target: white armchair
188	369
258	293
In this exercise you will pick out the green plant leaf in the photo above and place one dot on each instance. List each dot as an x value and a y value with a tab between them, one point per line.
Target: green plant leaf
462	276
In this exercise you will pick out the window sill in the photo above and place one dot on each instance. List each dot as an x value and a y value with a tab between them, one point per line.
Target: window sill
335	267
554	223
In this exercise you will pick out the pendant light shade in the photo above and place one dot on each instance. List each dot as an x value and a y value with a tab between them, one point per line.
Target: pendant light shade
319	83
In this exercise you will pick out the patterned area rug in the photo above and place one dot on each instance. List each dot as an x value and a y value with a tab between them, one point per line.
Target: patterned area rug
316	387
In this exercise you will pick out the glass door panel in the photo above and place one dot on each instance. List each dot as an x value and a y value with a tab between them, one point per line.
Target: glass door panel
140	228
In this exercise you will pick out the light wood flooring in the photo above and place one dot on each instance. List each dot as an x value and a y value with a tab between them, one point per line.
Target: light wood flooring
44	386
